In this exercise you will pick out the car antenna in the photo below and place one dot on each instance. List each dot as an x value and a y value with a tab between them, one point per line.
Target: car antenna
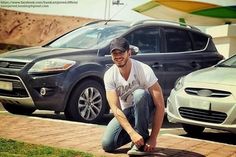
110	19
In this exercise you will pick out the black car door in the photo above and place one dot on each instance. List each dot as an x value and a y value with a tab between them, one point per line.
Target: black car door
180	56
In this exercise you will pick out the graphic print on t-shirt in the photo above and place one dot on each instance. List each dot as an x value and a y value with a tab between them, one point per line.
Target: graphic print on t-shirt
125	92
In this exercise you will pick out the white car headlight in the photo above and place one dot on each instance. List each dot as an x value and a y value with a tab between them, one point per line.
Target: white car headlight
179	83
51	65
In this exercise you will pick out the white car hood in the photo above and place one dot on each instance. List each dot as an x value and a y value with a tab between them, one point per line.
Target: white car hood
214	75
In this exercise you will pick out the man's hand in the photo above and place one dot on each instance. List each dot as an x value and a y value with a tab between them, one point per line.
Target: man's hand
136	139
150	145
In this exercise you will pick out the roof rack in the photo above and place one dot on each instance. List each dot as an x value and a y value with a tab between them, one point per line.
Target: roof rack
164	21
94	22
98	21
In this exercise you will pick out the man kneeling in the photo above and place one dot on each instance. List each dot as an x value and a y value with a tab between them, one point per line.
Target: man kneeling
135	98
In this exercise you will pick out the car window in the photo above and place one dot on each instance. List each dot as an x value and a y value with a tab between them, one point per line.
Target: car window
89	37
177	40
146	39
211	46
199	41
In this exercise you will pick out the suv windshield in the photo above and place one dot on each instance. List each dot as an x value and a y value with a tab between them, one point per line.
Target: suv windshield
89	37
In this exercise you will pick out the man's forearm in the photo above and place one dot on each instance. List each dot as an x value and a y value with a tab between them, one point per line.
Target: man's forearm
158	117
120	116
157	122
115	107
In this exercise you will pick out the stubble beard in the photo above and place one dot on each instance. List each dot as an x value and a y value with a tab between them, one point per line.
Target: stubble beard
123	65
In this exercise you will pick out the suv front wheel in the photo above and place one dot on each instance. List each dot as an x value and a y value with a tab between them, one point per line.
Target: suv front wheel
87	102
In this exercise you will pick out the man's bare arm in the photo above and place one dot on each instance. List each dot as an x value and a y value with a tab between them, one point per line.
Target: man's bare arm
114	103
158	101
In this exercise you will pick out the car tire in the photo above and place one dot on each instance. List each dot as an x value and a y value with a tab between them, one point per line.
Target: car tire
87	102
16	109
193	130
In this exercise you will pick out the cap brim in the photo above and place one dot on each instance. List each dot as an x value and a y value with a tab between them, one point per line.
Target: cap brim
117	48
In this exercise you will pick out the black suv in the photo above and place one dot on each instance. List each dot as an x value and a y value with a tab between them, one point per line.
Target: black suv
66	75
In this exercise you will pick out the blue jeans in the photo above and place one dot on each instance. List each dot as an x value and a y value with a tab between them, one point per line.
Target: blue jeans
139	117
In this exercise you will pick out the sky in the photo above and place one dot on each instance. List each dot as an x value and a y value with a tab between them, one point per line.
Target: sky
98	9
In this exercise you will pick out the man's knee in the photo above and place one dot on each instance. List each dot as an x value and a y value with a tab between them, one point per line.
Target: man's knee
140	93
140	97
107	145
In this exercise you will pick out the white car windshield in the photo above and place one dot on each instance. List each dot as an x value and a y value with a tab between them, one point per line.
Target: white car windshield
89	37
231	62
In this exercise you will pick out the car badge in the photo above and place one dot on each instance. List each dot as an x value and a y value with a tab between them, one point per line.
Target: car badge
204	92
4	64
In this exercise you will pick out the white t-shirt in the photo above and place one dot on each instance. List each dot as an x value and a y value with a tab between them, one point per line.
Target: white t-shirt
141	77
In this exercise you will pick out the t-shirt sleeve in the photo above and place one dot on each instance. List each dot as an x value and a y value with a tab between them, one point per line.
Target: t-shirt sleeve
150	77
108	81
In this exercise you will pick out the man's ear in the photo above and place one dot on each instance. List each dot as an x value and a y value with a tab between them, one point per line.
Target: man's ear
129	52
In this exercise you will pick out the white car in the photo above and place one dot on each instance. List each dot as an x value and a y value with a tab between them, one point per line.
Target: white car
205	99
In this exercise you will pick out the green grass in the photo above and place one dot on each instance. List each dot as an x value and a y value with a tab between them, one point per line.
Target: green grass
12	148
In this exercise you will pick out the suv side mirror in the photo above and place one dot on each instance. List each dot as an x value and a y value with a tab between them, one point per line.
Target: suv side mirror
134	49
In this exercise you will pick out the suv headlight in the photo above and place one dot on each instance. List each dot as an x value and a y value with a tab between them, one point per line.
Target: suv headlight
51	65
179	83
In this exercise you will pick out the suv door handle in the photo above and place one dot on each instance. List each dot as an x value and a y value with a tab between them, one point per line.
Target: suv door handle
157	65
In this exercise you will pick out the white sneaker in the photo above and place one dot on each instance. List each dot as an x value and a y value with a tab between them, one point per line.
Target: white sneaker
136	151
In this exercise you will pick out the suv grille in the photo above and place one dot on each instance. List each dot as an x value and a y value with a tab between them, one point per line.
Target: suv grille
202	115
207	92
12	65
18	87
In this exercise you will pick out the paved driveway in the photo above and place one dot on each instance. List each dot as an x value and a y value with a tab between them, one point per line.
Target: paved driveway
86	137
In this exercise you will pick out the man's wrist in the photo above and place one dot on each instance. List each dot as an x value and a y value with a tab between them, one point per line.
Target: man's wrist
153	137
131	132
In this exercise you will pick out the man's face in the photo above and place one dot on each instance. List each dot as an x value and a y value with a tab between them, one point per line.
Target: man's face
120	58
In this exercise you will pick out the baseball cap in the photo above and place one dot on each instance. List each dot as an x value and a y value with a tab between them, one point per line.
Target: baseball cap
119	44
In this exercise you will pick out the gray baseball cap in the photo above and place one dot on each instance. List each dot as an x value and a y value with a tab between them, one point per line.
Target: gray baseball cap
119	44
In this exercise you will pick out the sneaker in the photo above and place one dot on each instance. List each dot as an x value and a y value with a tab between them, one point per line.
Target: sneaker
136	151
